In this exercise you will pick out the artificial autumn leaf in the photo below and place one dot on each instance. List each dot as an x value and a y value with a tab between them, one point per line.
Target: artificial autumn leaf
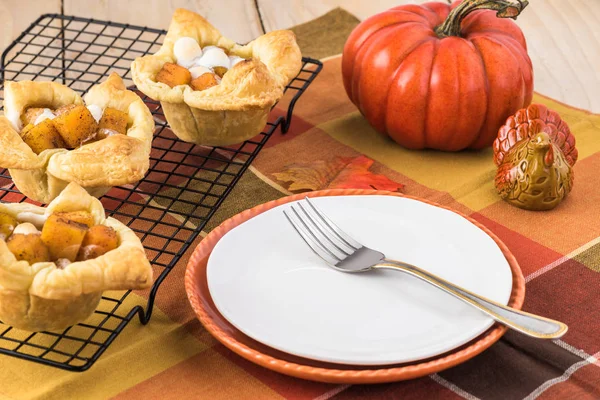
339	173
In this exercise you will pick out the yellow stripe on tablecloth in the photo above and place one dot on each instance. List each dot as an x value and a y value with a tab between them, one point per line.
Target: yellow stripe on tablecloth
208	375
468	175
138	353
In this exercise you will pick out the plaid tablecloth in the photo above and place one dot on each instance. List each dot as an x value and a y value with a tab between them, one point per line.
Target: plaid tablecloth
330	144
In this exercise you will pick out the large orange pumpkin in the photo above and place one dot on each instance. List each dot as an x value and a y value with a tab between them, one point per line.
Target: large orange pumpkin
440	76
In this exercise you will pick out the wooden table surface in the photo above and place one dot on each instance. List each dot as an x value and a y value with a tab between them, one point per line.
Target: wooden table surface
563	35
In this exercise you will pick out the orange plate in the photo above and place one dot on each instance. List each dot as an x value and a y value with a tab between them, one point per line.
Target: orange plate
197	290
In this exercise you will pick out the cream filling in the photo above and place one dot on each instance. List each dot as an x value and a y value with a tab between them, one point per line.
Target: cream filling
186	51
200	61
46	114
26	228
96	111
200	70
214	58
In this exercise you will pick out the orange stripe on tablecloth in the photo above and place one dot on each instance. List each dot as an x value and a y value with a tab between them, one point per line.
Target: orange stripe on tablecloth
569	226
558	262
287	386
297	127
326	98
206	375
531	255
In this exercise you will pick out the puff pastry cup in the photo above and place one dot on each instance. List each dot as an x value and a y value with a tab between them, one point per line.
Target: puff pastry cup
237	108
96	166
43	296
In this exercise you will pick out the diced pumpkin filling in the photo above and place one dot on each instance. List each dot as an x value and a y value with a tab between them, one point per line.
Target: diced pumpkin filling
76	126
220	71
69	126
28	247
66	237
113	122
42	136
63	236
99	240
204	82
82	217
200	68
174	75
64	109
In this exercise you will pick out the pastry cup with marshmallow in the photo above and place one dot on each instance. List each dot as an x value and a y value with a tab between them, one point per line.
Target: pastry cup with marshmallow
230	109
44	296
97	165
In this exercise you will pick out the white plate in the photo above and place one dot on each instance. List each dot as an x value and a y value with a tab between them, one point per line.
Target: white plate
267	283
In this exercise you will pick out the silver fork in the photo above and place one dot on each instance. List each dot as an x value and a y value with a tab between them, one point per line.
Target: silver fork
345	254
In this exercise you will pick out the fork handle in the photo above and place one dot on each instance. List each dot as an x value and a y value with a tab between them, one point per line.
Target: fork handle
529	324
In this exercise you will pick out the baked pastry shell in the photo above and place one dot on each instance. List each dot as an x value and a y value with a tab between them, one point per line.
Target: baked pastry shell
43	297
97	166
237	108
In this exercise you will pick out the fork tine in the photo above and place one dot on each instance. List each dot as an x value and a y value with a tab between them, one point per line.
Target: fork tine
326	232
343	236
310	241
317	235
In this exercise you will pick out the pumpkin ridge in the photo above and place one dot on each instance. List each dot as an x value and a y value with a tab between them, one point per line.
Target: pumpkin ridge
477	54
407	100
487	94
428	93
518	105
356	66
362	86
515	45
437	15
356	48
396	72
359	56
517	63
457	65
516	49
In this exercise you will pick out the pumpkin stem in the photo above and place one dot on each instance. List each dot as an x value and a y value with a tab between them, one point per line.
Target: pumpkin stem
504	8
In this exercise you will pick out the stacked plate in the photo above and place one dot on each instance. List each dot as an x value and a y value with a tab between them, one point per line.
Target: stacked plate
260	290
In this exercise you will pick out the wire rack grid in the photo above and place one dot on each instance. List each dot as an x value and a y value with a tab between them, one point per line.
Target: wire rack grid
183	189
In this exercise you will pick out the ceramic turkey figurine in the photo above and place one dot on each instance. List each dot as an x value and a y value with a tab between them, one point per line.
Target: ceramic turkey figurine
535	153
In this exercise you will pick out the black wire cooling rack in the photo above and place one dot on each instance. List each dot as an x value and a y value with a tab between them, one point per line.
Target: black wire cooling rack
168	209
